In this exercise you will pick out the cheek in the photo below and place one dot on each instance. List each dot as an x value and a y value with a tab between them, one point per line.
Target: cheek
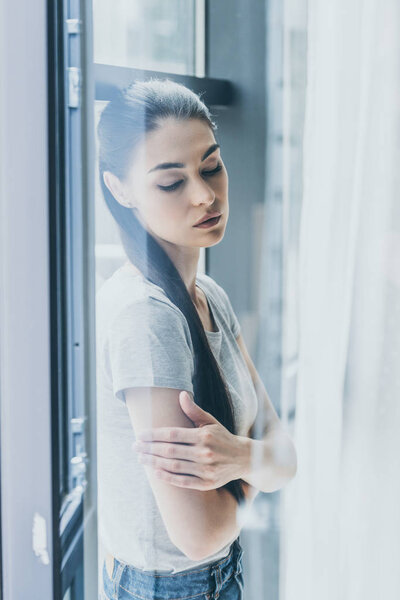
222	184
163	212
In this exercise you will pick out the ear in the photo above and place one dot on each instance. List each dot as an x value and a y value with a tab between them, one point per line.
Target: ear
116	188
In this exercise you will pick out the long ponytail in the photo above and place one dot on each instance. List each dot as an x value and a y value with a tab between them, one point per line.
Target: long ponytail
135	111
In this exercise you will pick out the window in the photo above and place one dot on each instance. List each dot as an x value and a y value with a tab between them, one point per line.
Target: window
153	35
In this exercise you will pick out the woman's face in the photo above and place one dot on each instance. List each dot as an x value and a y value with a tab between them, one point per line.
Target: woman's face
171	198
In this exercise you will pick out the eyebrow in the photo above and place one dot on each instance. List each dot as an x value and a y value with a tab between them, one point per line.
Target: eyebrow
181	165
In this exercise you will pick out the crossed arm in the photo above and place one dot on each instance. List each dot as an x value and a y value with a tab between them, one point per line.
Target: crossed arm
188	455
273	457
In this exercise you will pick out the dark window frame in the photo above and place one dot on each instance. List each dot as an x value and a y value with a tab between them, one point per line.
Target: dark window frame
109	78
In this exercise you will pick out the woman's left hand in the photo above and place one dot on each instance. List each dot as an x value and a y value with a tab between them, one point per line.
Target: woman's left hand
203	458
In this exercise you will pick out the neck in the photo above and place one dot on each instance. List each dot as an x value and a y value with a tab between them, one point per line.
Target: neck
186	261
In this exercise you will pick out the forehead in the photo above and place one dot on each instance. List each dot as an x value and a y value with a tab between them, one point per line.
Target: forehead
174	141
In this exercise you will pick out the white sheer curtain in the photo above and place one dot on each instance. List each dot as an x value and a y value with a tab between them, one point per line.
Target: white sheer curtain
341	534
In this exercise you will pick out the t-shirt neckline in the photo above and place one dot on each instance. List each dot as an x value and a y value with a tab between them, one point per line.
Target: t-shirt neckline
211	308
210	302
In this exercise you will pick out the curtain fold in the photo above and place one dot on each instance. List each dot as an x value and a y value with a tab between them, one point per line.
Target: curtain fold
341	537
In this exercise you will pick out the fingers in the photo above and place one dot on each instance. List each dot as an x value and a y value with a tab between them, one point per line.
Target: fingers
173	451
187	435
184	481
184	467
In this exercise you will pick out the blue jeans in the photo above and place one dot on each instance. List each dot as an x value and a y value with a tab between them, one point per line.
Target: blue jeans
222	579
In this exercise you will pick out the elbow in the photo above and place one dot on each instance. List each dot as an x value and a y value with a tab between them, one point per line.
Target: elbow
210	533
196	554
196	551
200	546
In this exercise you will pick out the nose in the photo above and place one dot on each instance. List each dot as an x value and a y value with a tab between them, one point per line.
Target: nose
202	193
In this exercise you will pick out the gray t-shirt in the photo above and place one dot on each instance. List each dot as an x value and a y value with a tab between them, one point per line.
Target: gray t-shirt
143	339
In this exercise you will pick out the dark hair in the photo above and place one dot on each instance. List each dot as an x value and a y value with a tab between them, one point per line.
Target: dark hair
133	112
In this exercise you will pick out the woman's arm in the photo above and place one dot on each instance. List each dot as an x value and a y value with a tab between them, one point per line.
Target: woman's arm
273	456
198	522
208	456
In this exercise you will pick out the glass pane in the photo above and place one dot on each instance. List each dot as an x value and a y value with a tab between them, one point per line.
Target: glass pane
149	35
158	35
309	264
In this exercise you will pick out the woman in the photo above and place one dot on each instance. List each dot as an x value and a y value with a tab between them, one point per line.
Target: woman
172	366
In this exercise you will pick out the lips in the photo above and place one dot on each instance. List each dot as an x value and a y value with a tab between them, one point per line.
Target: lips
206	217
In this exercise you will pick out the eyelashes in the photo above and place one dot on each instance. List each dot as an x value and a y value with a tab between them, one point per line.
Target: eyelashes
174	186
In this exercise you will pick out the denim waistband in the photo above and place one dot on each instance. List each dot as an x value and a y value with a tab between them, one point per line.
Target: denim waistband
203	581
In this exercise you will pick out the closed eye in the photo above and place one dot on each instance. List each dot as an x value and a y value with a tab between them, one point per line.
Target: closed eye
174	186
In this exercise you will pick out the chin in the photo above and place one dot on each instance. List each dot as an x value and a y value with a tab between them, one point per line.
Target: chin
215	239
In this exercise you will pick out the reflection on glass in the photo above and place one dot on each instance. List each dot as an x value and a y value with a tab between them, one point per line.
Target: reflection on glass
157	35
167	335
327	329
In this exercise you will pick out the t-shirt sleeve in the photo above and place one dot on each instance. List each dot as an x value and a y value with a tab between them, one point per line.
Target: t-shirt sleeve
149	345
